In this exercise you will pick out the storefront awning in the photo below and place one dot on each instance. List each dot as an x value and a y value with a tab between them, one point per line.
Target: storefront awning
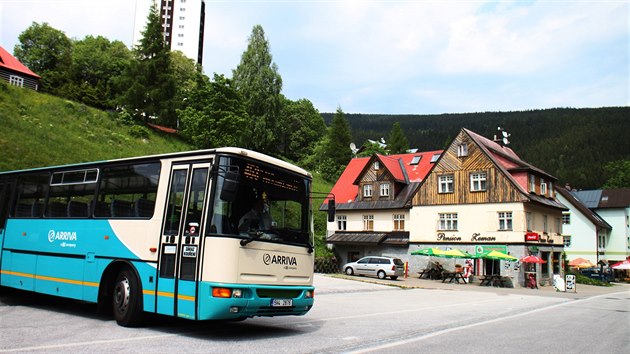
396	238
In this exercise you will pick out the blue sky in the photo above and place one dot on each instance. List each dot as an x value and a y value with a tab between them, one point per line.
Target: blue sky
396	57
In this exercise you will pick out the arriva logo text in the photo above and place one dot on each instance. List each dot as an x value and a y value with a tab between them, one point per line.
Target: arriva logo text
275	259
61	236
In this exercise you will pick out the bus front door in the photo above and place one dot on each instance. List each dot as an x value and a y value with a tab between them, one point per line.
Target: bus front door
5	197
180	246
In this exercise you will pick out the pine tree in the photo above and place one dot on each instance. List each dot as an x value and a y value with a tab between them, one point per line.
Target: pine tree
397	141
150	82
339	139
257	80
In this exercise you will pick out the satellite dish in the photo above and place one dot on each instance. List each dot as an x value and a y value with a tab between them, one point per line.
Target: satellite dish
353	148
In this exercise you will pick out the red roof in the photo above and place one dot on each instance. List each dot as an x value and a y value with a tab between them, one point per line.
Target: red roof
8	61
345	189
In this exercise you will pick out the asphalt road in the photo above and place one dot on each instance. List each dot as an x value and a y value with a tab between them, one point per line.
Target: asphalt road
349	316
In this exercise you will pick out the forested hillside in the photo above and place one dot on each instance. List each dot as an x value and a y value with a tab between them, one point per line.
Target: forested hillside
572	144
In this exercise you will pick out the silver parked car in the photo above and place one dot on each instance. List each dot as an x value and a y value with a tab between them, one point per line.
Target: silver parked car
381	267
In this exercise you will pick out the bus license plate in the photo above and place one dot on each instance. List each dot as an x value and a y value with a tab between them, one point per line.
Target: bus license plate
281	302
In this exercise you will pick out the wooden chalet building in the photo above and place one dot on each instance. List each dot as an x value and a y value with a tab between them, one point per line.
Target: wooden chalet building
481	196
15	73
475	196
373	198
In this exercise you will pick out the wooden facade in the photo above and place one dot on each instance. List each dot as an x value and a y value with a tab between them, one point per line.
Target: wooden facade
376	177
499	188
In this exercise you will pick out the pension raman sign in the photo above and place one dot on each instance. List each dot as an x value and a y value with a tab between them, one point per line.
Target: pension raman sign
476	237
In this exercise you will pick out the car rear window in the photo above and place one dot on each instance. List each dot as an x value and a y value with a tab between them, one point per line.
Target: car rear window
398	262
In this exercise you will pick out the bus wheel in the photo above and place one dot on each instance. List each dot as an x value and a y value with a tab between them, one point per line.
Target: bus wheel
126	301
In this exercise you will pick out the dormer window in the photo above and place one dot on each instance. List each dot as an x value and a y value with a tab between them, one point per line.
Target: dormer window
415	160
367	191
385	190
462	150
532	183
543	187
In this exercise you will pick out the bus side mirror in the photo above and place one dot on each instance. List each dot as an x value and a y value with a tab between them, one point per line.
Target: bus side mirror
230	186
331	210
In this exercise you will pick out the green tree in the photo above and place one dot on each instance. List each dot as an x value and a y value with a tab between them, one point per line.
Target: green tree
301	127
371	148
214	115
150	81
46	51
619	174
186	73
96	65
332	153
397	140
257	80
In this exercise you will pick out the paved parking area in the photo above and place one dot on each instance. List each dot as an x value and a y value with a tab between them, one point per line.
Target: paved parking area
582	291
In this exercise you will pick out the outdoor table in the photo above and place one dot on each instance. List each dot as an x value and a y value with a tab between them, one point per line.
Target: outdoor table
492	279
425	272
450	276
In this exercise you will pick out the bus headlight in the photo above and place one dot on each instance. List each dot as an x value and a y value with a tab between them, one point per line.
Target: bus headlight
237	293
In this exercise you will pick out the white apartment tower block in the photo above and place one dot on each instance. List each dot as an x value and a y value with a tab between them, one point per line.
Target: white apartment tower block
182	23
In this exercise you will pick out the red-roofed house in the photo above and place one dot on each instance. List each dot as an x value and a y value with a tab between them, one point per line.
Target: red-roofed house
373	197
476	196
15	73
481	196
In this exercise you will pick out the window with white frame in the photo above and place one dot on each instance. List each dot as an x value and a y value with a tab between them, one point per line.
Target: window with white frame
505	220
532	183
342	222
399	222
376	165
384	189
566	240
367	190
601	241
550	189
462	150
368	222
566	218
477	181
16	80
445	184
448	221
543	187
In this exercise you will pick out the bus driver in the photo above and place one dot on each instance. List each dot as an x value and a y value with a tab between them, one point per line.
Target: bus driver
257	218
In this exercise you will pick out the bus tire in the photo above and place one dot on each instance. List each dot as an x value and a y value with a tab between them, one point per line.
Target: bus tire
126	299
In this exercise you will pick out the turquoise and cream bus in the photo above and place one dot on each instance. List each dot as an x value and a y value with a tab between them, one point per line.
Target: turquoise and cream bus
162	234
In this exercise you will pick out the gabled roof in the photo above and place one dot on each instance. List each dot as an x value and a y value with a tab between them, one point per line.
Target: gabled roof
604	198
346	188
583	209
9	62
508	161
506	157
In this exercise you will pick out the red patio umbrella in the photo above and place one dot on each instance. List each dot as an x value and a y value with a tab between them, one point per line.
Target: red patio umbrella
532	259
621	265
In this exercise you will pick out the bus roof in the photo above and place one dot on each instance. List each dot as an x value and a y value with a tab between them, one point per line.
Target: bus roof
225	150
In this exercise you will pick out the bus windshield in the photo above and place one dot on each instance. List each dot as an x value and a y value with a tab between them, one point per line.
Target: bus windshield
256	201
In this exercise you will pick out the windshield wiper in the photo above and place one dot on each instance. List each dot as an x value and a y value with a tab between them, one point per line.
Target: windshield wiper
253	235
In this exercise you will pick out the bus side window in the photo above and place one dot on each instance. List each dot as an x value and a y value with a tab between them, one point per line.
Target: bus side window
5	196
32	190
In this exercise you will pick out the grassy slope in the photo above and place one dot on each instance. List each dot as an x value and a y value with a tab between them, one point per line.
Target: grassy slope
41	130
